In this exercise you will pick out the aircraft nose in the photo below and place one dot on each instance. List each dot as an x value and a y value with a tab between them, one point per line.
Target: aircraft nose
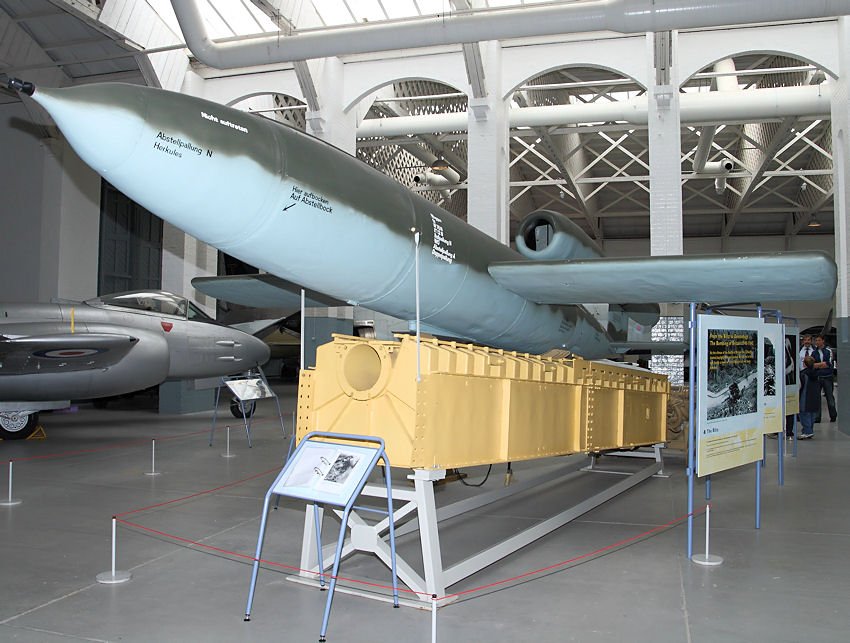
256	351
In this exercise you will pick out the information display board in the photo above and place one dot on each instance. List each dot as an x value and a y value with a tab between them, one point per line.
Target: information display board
774	380
792	370
730	386
325	472
250	388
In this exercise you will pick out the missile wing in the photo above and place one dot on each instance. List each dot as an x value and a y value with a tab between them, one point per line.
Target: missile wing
260	291
711	279
308	213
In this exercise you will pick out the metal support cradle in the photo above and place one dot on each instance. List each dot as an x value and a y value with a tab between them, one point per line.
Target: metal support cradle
433	578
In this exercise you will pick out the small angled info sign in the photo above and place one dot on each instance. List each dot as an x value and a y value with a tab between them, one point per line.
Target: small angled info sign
326	472
251	388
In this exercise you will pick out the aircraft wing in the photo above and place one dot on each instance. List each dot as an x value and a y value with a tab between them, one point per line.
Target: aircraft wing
62	352
781	276
261	291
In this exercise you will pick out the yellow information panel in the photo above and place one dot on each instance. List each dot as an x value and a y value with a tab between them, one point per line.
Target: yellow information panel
474	405
730	382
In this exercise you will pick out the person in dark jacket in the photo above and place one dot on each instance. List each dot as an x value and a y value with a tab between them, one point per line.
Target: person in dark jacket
825	367
809	398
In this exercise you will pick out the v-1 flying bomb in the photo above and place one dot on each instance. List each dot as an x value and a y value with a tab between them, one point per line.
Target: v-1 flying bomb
311	214
53	353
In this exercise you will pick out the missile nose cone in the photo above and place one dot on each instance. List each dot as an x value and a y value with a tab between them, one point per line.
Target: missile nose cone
102	127
158	147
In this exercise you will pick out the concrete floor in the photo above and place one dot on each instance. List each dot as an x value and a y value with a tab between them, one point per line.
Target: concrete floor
788	581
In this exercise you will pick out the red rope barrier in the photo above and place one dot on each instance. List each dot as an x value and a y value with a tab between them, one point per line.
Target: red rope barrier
270	563
195	543
596	552
199	493
122	445
111	447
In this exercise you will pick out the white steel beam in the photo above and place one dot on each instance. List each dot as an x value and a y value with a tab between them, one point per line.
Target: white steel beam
750	106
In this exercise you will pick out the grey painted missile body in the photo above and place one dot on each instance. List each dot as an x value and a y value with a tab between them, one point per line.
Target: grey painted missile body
305	211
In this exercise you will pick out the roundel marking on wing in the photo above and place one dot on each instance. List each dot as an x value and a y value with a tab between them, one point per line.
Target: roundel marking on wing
65	353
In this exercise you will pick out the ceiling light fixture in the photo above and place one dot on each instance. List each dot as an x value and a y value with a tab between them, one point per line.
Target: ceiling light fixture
813	223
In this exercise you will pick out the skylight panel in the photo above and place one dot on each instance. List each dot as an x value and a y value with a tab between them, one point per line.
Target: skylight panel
164	10
333	12
216	26
400	8
238	18
433	7
367	10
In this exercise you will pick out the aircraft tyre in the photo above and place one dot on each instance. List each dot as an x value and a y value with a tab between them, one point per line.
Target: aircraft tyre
17	426
237	412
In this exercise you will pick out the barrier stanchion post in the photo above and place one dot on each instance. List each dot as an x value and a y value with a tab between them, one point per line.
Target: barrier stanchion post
433	618
153	471
707	559
758	495
10	502
228	454
113	577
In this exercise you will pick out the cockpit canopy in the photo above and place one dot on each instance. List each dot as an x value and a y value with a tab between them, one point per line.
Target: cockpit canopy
153	301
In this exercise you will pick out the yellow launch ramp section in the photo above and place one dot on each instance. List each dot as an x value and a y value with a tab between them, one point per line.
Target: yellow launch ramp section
476	405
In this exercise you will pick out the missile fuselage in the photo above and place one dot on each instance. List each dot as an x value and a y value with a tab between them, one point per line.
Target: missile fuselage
308	212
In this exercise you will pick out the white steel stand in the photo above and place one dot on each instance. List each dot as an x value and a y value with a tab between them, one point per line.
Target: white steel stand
10	501
435	578
113	577
228	454
707	559
655	454
153	471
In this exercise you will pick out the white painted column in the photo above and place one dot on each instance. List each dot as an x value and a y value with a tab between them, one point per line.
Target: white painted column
488	152
841	167
665	153
330	122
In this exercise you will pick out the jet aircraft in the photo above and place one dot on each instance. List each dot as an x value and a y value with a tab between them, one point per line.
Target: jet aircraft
111	345
313	215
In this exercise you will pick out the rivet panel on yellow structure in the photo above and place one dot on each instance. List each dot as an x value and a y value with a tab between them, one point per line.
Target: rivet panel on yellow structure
475	405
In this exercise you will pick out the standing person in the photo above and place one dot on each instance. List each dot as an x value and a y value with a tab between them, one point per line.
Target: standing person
825	368
805	350
809	398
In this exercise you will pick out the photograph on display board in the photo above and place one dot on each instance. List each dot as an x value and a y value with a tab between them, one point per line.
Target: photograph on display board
249	389
774	380
792	384
732	373
769	368
325	471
